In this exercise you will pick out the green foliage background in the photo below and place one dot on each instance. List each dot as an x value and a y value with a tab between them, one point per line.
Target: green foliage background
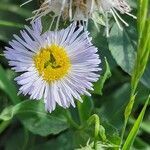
108	119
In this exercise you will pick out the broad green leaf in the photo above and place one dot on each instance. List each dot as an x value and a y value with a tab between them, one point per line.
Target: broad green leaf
63	141
98	86
123	45
130	139
7	86
34	117
116	100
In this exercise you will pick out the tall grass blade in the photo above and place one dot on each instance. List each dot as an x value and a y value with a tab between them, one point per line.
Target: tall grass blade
130	139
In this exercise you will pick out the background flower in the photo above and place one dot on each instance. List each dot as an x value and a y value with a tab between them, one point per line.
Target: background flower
99	11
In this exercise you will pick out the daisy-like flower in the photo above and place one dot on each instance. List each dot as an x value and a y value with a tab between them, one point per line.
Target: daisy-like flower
80	10
56	66
74	10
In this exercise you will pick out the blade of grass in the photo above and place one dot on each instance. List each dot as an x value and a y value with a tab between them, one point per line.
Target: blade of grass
130	139
10	24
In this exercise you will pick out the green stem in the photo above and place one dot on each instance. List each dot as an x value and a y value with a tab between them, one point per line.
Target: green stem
127	113
123	131
79	111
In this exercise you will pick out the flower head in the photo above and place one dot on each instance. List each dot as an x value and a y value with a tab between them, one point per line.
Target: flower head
59	8
111	7
56	66
81	10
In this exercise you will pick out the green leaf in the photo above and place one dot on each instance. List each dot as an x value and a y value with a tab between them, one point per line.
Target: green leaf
98	86
144	125
142	14
7	114
130	139
129	107
14	9
102	133
63	141
7	86
10	24
122	46
143	51
146	76
34	117
116	100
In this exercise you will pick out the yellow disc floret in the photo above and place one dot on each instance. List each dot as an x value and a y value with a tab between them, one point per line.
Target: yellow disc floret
52	62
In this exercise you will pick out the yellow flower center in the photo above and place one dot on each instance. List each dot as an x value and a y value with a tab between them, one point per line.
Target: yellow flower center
52	62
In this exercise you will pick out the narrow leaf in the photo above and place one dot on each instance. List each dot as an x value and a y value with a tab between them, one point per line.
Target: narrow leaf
98	86
10	24
130	139
129	107
15	9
